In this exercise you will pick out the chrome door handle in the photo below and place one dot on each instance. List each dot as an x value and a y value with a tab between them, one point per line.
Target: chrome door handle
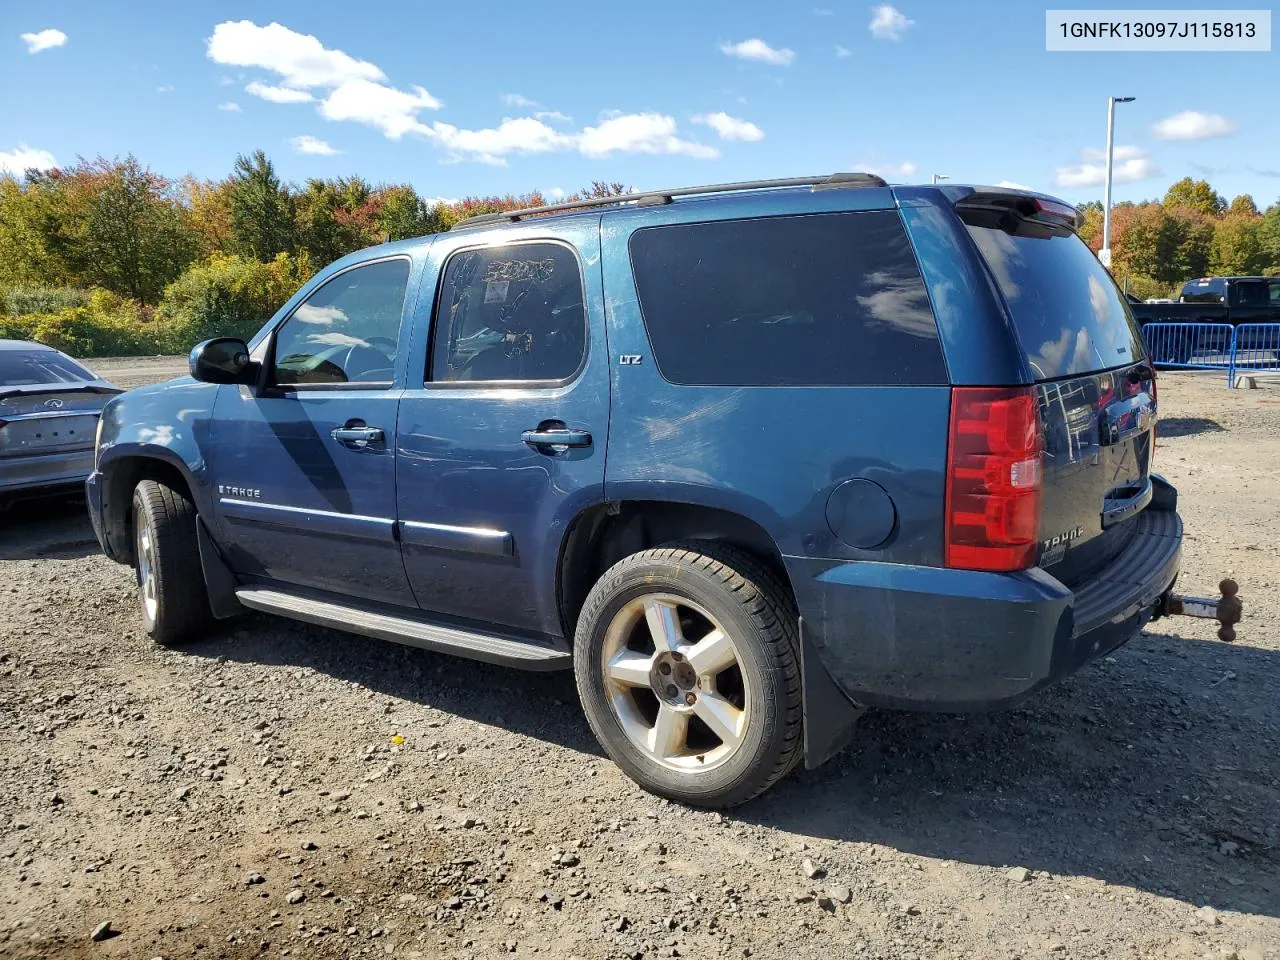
358	437
556	438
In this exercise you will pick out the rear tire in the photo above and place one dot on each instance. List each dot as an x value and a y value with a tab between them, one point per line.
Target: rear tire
171	589
687	664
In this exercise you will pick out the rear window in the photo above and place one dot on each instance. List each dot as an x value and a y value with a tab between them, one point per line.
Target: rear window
20	368
825	299
1204	291
1070	316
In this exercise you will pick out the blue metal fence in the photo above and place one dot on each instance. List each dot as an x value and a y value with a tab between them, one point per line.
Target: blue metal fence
1255	349
1250	348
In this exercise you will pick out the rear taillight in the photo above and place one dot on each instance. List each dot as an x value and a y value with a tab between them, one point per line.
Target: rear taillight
993	479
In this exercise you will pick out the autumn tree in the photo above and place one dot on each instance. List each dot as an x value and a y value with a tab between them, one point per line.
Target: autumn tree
335	217
262	210
1196	194
401	213
1243	206
1238	248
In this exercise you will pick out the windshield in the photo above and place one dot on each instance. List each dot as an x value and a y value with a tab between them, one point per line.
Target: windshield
1070	316
20	368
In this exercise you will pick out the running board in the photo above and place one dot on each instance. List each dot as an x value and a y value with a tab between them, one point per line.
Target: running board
413	632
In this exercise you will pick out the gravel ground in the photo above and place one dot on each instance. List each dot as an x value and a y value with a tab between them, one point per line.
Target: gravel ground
250	795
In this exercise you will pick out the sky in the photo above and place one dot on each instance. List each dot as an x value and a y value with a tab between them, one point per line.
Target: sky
483	98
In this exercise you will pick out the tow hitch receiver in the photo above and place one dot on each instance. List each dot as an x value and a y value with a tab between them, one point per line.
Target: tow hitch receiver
1227	609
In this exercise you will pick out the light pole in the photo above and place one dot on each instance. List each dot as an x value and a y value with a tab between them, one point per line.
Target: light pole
939	176
1105	253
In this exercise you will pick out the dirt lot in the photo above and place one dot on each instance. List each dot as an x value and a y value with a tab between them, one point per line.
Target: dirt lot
244	796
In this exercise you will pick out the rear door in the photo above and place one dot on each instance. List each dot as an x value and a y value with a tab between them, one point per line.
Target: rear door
1095	387
502	438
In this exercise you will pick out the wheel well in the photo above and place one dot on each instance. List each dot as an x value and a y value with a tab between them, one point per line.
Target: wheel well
117	497
602	535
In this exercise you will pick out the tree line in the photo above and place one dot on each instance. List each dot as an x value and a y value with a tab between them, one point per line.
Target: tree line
1191	232
108	256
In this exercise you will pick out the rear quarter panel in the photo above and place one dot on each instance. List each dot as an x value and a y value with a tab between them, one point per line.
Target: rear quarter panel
771	454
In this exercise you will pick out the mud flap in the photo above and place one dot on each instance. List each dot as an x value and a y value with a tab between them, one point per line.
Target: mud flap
219	581
830	717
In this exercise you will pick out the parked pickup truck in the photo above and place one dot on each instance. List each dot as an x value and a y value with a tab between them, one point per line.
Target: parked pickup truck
1218	300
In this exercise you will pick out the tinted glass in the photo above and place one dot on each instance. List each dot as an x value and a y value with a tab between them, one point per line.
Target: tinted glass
1070	316
347	331
1274	286
1204	291
510	313
1252	294
828	299
20	368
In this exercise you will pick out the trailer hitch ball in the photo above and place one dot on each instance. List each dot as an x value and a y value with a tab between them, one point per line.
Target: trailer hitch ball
1230	610
1227	608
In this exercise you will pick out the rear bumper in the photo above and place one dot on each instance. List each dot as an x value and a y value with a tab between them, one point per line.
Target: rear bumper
46	470
925	638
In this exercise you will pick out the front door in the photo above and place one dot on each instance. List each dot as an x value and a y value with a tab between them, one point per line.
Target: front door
502	441
304	468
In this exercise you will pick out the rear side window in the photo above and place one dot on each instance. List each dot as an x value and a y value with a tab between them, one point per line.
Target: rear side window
827	299
1204	291
1070	316
510	313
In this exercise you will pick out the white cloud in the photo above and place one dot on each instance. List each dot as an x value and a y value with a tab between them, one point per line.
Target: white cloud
515	100
1130	165
890	171
1190	125
730	128
757	49
650	133
278	94
1010	185
312	145
394	112
554	116
520	135
44	40
165	88
888	23
300	59
21	158
823	12
842	52
229	107
554	193
226	81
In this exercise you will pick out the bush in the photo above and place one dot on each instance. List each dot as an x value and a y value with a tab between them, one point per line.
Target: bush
1145	288
22	300
104	326
227	296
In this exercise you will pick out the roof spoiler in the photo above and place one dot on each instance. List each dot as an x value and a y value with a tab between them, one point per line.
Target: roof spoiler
1006	209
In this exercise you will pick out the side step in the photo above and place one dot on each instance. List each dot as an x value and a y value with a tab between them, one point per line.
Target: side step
401	629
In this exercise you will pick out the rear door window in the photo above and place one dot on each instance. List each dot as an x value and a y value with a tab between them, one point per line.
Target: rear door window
825	299
1069	315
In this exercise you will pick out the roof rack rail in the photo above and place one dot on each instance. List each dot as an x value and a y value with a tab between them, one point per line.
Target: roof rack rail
652	198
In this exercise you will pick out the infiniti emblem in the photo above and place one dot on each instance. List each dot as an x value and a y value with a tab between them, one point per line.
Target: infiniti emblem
55	403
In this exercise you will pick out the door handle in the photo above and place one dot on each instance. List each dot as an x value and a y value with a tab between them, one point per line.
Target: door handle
358	437
560	437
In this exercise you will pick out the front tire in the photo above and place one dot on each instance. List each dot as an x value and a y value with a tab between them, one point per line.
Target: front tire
687	665
171	589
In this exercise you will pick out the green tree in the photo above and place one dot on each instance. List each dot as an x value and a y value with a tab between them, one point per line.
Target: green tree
1238	248
1243	206
137	237
335	217
401	213
262	210
1196	194
1270	235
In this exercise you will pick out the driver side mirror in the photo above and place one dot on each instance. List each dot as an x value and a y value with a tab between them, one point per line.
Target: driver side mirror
222	360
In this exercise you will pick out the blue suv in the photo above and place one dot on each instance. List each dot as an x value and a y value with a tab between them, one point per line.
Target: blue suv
748	458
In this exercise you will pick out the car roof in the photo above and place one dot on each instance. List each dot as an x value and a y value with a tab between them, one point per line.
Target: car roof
25	345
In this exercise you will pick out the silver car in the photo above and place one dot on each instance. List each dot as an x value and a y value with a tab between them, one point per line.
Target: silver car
49	409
